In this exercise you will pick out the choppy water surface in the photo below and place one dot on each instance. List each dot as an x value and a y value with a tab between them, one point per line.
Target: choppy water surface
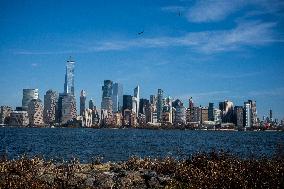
120	144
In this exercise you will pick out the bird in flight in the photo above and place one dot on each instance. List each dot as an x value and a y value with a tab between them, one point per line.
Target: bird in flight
141	32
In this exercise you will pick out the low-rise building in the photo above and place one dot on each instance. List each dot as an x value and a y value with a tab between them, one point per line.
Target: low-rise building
19	118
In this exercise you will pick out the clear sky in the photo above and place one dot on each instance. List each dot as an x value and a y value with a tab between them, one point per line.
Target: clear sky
210	50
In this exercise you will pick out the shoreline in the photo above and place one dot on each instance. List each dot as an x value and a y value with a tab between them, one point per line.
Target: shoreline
221	170
150	128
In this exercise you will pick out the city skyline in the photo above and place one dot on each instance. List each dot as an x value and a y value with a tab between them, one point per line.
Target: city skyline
244	62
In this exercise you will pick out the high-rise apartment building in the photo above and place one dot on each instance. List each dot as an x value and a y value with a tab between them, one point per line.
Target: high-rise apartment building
248	113
50	107
239	116
5	112
68	111
82	102
160	104
28	95
35	112
117	97
19	118
204	114
107	90
69	78
180	112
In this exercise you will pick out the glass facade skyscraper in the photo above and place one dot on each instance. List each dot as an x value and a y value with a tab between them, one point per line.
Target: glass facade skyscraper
107	95
69	78
117	97
160	104
28	95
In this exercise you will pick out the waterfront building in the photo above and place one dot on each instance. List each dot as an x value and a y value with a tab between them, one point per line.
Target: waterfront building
28	95
180	112
136	101
50	107
270	115
196	114
117	97
91	104
217	116
96	117
35	112
248	120
117	119
204	114
127	114
160	104
227	108
167	115
239	116
211	111
5	112
82	102
127	103
107	90
250	114
68	111
87	118
106	117
69	77
19	118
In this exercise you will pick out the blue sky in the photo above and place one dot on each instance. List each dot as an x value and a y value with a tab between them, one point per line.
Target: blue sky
210	50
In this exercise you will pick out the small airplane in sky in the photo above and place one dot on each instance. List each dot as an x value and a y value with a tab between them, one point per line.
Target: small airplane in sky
141	32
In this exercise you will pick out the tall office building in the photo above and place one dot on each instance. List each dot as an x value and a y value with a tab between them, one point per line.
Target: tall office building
82	102
160	104
270	115
127	103
91	104
211	111
117	97
35	112
28	95
227	108
239	116
50	107
190	103
69	77
136	100
107	90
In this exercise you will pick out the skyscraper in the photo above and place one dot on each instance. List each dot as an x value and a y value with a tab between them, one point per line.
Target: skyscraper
127	103
28	95
91	104
50	106
160	104
248	120
135	100
69	111
211	111
35	112
239	116
270	115
117	97
69	77
227	108
82	102
106	103
180	112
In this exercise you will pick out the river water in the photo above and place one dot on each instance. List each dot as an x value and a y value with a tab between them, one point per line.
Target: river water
120	144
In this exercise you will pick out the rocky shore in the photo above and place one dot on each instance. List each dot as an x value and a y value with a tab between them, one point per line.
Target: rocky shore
202	170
